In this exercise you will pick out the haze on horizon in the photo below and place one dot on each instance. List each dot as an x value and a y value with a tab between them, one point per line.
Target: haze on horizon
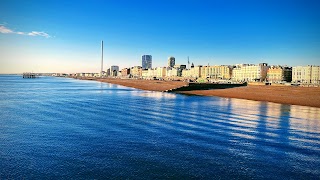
58	36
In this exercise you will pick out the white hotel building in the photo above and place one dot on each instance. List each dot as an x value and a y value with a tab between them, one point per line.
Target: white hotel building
306	74
250	72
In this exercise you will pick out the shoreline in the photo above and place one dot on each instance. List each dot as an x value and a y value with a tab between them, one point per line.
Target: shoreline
303	96
149	85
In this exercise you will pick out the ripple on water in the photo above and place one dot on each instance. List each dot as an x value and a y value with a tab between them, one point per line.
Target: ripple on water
65	128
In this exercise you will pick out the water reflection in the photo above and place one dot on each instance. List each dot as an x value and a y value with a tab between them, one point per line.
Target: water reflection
154	94
300	117
306	118
264	131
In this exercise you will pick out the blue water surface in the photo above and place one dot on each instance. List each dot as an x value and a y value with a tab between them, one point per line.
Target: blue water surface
54	128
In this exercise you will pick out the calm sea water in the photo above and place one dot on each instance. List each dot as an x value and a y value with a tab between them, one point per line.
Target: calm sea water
64	128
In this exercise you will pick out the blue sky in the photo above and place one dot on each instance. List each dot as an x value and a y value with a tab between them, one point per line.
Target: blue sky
65	36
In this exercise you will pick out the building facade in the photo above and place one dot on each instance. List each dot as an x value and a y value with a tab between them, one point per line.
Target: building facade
216	72
146	61
306	74
171	61
172	72
277	74
125	72
159	73
145	74
114	70
136	71
250	72
193	72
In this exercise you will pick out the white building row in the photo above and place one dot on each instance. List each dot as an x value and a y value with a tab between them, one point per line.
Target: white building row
306	74
242	72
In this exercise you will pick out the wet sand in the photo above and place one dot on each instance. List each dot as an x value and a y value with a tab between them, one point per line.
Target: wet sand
305	96
151	85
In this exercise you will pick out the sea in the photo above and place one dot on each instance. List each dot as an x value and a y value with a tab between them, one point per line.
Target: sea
62	128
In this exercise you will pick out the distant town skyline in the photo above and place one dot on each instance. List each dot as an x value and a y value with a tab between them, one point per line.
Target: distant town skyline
57	36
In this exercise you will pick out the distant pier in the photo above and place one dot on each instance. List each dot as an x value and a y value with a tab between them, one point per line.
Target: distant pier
29	75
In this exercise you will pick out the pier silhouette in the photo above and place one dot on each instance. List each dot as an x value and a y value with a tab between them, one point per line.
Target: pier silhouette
29	75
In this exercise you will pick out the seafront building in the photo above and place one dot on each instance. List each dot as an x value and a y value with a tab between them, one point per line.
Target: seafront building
156	73
250	72
114	70
172	72
136	72
193	72
146	61
160	72
87	75
171	62
216	72
145	74
175	71
278	74
125	72
306	74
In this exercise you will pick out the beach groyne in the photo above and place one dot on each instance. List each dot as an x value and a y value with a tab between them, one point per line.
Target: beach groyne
206	86
167	86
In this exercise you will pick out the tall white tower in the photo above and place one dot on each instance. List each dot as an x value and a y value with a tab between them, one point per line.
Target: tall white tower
101	59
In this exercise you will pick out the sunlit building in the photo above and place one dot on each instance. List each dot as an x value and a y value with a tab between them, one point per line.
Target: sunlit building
176	70
145	74
193	72
216	72
159	73
277	74
136	71
125	72
172	72
250	72
306	74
